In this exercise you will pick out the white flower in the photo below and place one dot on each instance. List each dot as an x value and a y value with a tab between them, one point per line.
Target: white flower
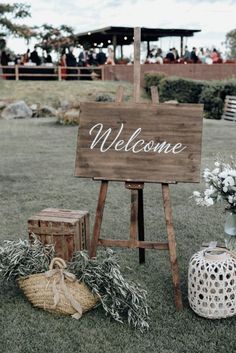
209	202
210	191
225	189
232	172
196	194
217	164
206	173
223	174
229	181
216	171
230	199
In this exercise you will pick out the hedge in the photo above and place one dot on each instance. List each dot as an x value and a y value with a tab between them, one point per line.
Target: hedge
210	93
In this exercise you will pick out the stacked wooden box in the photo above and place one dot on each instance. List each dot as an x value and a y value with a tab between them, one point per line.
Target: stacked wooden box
67	229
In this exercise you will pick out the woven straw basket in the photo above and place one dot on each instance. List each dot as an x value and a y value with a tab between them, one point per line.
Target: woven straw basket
58	291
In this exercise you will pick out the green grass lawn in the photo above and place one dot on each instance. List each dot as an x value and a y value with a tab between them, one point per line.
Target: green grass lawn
52	92
36	171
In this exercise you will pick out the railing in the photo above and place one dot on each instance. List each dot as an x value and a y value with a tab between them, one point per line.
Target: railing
25	72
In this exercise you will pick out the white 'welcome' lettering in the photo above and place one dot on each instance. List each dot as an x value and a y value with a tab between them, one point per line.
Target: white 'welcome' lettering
133	144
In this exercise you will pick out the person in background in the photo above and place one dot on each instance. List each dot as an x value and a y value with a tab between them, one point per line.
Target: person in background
63	64
92	57
101	57
202	55
193	55
71	62
34	57
176	54
26	57
48	58
159	57
170	55
110	57
83	58
187	54
215	56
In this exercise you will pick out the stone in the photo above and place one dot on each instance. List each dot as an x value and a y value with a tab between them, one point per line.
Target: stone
47	111
72	116
17	110
172	102
65	104
2	105
35	110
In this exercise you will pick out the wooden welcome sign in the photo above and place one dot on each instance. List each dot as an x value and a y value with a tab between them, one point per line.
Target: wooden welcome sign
140	142
137	143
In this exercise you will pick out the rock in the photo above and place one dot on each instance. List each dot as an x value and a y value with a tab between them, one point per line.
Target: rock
47	111
17	110
2	105
172	102
103	97
72	116
35	110
65	104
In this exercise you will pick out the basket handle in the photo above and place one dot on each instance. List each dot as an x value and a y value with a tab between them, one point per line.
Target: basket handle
57	261
216	253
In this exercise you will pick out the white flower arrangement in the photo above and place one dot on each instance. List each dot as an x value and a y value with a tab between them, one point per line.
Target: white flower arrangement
220	186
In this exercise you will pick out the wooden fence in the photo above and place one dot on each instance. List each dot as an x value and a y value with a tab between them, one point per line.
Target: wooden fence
23	72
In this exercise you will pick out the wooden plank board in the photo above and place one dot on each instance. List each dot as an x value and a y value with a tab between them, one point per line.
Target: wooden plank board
117	142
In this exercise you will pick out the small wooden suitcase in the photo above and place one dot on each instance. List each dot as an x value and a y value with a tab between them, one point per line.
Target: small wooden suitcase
67	229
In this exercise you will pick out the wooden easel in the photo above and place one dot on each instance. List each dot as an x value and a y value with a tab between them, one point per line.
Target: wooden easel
136	239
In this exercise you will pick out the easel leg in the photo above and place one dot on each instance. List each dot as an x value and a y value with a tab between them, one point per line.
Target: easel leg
172	246
98	218
141	225
134	218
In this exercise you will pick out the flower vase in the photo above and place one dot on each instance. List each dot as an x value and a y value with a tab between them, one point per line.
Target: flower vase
230	231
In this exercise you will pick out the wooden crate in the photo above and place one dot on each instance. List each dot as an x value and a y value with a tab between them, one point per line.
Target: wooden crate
67	229
230	108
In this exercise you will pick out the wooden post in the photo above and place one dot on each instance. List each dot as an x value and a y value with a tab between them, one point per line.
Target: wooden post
172	246
121	51
137	66
181	46
16	72
141	225
59	73
114	43
148	48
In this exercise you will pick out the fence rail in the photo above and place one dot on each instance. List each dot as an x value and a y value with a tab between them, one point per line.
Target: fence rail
22	72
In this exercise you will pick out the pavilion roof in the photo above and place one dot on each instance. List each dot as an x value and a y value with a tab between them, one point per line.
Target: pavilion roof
124	35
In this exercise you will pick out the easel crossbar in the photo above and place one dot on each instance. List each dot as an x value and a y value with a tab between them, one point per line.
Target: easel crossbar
137	244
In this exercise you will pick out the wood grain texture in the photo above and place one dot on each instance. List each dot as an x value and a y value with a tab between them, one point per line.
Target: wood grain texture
172	246
68	230
173	124
98	218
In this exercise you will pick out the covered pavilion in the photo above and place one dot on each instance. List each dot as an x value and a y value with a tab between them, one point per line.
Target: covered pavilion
120	36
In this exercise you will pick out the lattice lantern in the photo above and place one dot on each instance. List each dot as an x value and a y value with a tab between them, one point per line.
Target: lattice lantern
212	283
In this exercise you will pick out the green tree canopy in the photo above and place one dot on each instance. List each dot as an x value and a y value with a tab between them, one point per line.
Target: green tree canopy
9	16
231	43
56	38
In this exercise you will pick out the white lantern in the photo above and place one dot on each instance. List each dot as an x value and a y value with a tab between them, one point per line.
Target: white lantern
212	283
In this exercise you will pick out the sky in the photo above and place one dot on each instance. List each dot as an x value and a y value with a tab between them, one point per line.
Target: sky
215	18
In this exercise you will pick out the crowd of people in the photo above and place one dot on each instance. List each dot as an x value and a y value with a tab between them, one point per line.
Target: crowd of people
97	57
89	57
204	56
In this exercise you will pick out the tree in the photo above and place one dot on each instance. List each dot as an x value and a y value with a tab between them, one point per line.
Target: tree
231	43
9	15
56	38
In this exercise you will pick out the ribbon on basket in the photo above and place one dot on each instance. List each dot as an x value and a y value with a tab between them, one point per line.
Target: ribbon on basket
59	284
